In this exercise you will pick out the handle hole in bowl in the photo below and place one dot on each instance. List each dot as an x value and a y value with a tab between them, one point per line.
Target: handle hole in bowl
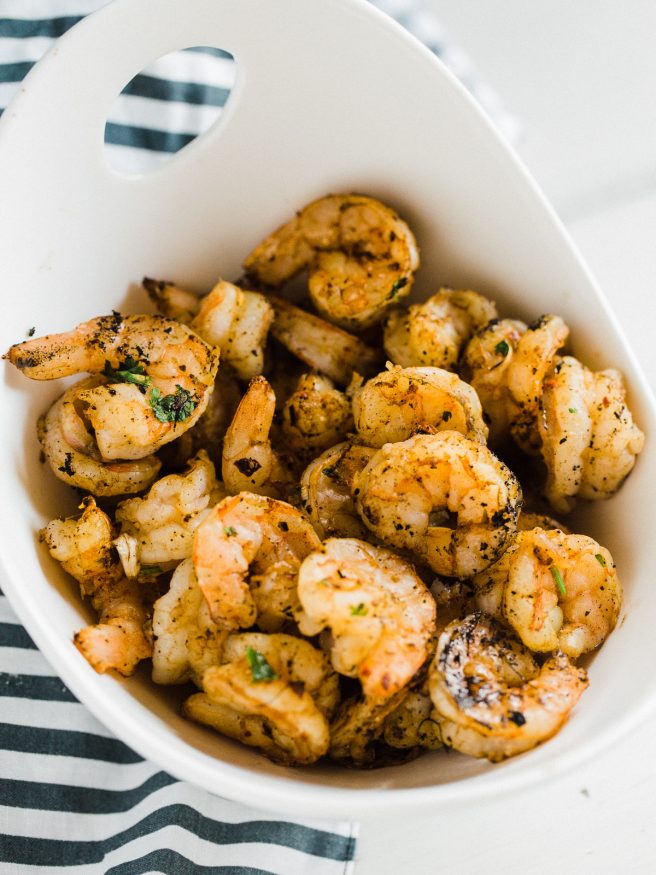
166	106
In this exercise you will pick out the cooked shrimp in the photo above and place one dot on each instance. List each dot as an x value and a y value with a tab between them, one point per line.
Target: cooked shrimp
84	548
159	378
397	403
360	256
380	614
233	319
251	534
559	591
434	333
316	416
72	453
615	441
321	345
412	723
327	491
249	462
532	360
408	490
484	365
358	725
491	697
275	692
565	427
162	523
186	639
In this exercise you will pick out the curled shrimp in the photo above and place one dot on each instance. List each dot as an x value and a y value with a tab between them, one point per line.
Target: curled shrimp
246	555
615	440
434	333
327	491
360	256
397	403
321	345
558	591
64	433
159	378
274	692
316	416
161	524
380	614
533	358
412	723
357	728
484	365
492	699
408	491
84	548
249	462
235	320
186	639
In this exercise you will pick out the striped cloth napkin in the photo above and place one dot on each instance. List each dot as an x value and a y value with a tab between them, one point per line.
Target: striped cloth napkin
71	795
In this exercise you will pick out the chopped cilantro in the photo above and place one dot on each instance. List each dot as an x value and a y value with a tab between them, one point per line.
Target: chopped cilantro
502	348
397	286
128	371
172	408
558	577
230	531
358	610
572	409
260	668
600	559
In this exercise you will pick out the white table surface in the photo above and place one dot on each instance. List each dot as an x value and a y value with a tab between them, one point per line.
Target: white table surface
581	79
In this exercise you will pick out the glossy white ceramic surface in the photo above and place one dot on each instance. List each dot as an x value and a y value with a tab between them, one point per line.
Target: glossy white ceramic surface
330	96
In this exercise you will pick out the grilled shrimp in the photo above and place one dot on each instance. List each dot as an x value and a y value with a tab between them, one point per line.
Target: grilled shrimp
158	528
408	490
484	365
533	357
380	614
589	441
357	726
72	453
615	440
491	698
274	692
316	416
412	723
327	491
159	378
321	345
84	548
251	534
186	639
397	403
359	254
249	462
235	320
434	333
557	591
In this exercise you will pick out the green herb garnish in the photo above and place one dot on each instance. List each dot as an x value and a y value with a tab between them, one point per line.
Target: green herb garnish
558	577
397	286
172	408
128	371
358	610
261	671
502	348
572	409
600	559
230	531
150	570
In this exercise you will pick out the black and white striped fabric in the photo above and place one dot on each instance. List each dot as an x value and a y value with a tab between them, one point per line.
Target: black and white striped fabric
71	795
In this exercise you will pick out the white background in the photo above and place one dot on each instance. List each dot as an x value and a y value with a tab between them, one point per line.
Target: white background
580	76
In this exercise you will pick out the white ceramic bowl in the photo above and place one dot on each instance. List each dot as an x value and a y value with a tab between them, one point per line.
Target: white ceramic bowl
330	96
